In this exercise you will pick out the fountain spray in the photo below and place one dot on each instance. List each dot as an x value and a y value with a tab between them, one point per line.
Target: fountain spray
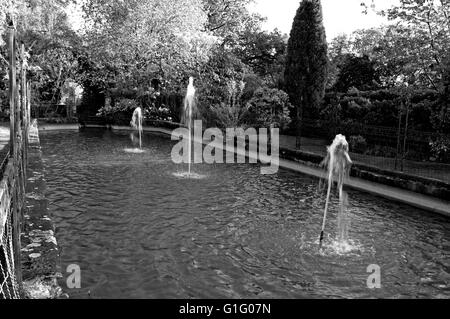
188	104
136	122
338	162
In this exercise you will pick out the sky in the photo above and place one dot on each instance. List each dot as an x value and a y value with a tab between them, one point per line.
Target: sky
340	16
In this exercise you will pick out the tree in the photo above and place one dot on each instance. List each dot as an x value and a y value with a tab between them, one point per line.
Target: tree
357	72
269	108
9	12
229	19
145	39
338	48
306	62
441	117
50	43
264	52
419	39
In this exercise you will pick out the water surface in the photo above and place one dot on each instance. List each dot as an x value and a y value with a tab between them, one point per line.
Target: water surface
139	231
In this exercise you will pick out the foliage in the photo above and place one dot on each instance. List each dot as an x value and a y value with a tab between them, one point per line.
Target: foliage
60	120
213	85
357	143
381	108
10	11
381	151
232	113
49	42
331	115
153	110
122	105
415	46
162	113
356	72
440	149
269	108
306	61
147	99
264	53
230	20
441	116
148	39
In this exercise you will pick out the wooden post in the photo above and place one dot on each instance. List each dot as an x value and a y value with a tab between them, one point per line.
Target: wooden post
14	151
23	112
406	133
28	106
12	88
399	132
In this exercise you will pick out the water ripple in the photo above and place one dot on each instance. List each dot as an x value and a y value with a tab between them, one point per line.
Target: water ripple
138	231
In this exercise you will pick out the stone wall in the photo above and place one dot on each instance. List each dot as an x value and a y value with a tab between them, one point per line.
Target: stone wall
40	255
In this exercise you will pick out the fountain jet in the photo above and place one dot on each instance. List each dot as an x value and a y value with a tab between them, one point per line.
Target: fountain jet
189	104
136	123
338	165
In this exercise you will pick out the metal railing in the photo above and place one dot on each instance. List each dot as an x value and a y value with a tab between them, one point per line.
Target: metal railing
387	148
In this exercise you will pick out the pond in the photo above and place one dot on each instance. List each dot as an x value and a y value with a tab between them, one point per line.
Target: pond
138	231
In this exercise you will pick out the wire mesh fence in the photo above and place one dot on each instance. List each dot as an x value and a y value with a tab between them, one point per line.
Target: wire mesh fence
386	148
8	280
13	171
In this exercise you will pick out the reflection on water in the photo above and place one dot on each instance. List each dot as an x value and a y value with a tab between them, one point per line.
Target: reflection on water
188	175
138	231
134	150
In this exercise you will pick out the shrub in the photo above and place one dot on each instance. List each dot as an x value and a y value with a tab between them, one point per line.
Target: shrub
120	113
358	144
122	105
269	108
232	112
440	149
162	113
147	100
382	151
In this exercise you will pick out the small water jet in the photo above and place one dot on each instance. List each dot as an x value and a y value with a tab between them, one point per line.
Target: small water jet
189	105
136	123
338	165
33	131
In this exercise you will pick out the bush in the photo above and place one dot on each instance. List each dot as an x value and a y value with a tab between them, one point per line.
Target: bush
230	114
381	108
358	144
440	149
158	114
382	151
122	105
120	113
61	120
269	108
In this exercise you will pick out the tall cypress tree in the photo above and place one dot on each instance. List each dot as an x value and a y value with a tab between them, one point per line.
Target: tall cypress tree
306	63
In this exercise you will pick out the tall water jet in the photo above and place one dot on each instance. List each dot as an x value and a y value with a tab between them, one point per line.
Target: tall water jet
189	104
338	165
136	123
